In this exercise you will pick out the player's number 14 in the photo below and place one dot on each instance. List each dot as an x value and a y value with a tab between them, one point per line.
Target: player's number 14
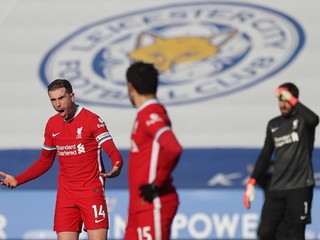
98	212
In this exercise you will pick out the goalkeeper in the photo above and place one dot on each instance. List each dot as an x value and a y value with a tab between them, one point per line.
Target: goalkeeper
290	137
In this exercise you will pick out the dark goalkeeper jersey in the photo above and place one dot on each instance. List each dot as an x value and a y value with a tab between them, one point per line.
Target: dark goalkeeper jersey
291	140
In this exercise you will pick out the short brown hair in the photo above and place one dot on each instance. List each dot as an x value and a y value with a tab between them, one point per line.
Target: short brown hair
60	83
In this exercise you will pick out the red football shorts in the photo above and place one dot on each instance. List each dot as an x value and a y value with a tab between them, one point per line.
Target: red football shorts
71	213
154	224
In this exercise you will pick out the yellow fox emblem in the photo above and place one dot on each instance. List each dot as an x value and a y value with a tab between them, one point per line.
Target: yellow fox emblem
168	52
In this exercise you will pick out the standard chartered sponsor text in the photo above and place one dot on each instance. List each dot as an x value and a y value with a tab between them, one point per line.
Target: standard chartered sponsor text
67	150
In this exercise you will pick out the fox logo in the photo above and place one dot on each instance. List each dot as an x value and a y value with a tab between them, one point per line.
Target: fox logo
168	52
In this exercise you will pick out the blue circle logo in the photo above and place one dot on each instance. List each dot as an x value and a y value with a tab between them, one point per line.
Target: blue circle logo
202	50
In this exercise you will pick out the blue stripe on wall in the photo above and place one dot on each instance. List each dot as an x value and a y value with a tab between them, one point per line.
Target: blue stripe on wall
198	168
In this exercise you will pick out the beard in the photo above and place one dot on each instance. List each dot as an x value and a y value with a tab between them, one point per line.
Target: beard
131	100
287	112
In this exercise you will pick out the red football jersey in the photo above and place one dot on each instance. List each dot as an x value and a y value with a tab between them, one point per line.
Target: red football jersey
77	144
148	160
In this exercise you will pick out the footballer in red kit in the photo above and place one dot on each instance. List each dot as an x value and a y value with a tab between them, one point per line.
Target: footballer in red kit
153	155
77	143
77	136
148	161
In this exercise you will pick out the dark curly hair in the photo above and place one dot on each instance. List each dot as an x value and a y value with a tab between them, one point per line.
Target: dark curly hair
143	77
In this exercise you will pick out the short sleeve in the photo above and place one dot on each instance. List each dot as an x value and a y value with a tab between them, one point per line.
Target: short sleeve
48	138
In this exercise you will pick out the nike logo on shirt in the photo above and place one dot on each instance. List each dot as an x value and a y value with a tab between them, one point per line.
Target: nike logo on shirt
303	217
55	134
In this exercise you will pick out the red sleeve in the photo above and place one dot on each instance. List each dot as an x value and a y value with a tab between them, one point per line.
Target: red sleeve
170	154
110	148
39	167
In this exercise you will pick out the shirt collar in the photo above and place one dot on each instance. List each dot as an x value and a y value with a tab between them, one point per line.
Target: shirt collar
78	110
147	103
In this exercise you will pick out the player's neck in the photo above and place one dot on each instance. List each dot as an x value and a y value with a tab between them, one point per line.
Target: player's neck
141	99
73	112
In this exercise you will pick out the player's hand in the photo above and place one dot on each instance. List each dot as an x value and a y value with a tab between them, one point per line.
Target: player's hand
116	169
148	192
283	94
249	193
8	180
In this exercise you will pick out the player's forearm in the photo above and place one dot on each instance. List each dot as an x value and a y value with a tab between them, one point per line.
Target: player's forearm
311	118
39	167
165	171
263	161
170	154
113	153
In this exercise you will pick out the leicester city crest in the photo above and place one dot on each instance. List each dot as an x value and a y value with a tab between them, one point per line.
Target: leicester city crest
202	50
